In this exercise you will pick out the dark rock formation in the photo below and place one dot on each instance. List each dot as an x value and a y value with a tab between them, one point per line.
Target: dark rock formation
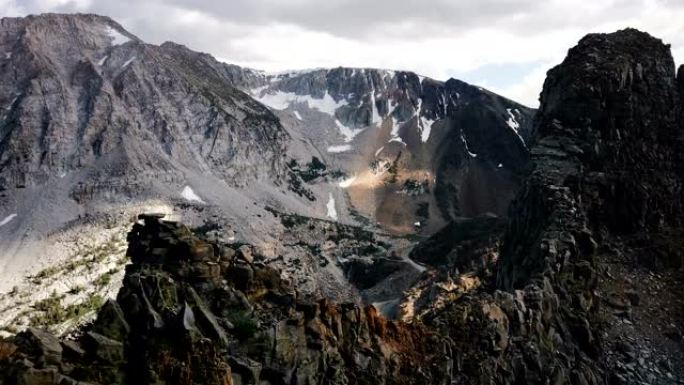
458	245
202	313
605	187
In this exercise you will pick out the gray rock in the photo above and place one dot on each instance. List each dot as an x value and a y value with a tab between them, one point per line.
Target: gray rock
46	345
105	349
111	322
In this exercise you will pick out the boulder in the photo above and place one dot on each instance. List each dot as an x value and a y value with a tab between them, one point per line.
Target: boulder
45	345
33	376
201	251
206	320
245	253
104	349
111	322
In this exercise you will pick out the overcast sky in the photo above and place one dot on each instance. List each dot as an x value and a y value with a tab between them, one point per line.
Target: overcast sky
504	45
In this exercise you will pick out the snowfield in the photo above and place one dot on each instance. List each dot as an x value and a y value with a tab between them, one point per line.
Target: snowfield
190	195
280	100
7	219
332	212
117	37
339	148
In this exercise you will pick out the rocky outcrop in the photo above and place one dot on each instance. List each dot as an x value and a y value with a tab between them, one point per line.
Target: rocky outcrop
195	312
605	187
607	153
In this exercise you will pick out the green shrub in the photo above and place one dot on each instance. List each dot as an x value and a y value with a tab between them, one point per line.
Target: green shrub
244	326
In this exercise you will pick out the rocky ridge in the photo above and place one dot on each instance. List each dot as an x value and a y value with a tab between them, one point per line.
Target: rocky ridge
196	312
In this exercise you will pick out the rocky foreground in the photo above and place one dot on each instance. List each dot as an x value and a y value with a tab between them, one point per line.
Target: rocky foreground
583	285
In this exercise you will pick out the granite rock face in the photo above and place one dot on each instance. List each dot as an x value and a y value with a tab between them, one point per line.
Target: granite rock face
81	92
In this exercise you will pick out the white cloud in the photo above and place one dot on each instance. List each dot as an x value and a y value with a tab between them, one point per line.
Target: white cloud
436	38
10	8
527	89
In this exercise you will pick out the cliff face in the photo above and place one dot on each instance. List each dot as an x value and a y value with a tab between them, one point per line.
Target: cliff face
585	288
608	144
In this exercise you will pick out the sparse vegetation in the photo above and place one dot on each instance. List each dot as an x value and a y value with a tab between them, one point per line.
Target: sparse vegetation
244	326
52	312
104	279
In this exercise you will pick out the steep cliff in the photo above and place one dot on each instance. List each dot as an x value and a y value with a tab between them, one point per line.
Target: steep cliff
586	283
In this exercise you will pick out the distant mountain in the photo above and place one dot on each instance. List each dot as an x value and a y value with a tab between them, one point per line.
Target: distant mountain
418	152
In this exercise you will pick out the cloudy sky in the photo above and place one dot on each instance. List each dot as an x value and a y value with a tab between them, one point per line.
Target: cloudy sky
504	45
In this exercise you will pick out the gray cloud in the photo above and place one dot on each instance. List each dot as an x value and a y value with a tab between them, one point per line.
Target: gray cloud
437	38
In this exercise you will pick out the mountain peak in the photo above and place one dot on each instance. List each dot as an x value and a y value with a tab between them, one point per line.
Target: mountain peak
86	31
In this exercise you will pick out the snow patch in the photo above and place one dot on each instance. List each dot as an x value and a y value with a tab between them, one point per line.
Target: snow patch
375	114
299	117
513	123
8	55
379	151
394	134
129	61
426	128
499	165
339	148
347	182
332	212
7	219
280	100
117	37
190	195
258	90
465	143
102	61
347	132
